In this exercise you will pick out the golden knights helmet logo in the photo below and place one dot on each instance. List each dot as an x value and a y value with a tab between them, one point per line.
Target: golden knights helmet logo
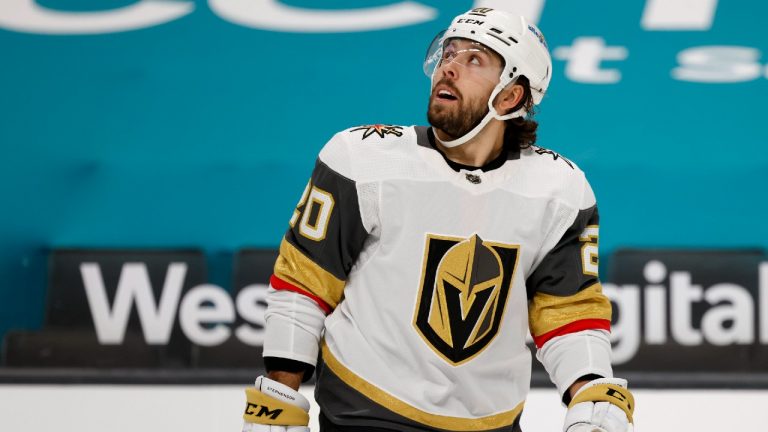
464	288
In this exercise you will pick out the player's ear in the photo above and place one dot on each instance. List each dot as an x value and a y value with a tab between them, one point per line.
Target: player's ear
509	98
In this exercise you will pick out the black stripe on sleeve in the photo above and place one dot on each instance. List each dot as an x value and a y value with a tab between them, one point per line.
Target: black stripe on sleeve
561	273
345	233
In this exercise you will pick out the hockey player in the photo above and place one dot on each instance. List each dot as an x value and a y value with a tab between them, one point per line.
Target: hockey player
418	259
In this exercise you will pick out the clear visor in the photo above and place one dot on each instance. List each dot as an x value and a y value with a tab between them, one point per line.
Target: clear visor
471	58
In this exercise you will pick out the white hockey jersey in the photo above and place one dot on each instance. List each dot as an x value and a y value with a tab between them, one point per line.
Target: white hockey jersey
431	276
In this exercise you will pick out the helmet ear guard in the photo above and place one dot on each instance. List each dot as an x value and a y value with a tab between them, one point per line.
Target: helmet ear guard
520	44
519	112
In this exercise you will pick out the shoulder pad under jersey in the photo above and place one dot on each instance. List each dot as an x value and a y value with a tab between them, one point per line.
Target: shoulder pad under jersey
559	175
375	132
346	149
545	156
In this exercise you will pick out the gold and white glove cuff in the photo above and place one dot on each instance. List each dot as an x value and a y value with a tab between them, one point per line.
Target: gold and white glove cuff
604	404
611	390
271	402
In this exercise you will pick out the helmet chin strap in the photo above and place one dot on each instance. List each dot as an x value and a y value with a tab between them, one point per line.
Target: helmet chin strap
469	135
492	114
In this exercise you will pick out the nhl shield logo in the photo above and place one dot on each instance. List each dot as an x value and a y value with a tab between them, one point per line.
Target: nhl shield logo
465	284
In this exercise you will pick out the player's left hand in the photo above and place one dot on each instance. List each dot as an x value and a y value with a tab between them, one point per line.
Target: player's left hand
274	407
601	405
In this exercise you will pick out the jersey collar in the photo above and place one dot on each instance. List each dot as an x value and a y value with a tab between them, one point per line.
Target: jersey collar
425	137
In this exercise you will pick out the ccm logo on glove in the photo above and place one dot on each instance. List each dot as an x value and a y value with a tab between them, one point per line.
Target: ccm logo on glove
250	409
262	408
620	396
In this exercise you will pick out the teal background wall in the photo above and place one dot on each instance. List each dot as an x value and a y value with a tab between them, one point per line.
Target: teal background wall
202	132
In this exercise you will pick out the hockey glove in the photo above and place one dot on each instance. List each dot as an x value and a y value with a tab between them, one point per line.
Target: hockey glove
602	405
275	407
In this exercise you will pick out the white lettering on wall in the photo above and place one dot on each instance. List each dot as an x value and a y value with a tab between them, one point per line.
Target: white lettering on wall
655	303
625	332
655	320
718	64
206	312
738	310
679	14
203	313
729	317
29	17
583	60
252	305
275	16
683	294
133	286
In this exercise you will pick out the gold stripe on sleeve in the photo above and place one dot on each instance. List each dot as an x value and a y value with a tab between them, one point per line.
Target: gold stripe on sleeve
548	312
397	406
297	269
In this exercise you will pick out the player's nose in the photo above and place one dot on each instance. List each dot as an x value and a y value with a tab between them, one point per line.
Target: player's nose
451	70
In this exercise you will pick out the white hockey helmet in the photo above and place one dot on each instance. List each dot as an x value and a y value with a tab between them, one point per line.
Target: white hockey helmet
520	43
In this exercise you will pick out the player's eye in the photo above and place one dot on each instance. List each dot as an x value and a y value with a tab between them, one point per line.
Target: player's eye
475	60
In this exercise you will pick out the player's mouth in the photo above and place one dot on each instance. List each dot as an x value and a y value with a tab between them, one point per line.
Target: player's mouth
444	94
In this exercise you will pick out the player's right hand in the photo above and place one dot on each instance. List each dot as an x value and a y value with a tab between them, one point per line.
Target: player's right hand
602	405
275	407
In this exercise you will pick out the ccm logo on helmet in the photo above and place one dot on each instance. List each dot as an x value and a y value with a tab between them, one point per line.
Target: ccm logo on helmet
470	21
250	409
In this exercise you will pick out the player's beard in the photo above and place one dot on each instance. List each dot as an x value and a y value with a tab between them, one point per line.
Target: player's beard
456	120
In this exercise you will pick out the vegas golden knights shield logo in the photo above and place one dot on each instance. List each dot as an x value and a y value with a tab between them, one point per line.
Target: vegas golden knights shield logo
464	288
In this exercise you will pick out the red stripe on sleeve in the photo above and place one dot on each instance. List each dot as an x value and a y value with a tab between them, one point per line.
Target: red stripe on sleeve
280	284
576	326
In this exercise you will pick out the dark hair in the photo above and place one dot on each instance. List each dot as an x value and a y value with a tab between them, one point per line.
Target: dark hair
520	132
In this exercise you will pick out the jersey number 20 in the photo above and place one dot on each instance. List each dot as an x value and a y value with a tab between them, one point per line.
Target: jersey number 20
315	209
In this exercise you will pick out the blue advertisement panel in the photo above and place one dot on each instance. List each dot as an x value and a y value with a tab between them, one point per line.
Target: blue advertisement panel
195	124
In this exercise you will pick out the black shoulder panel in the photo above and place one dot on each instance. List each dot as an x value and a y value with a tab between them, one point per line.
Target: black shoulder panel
567	268
328	228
